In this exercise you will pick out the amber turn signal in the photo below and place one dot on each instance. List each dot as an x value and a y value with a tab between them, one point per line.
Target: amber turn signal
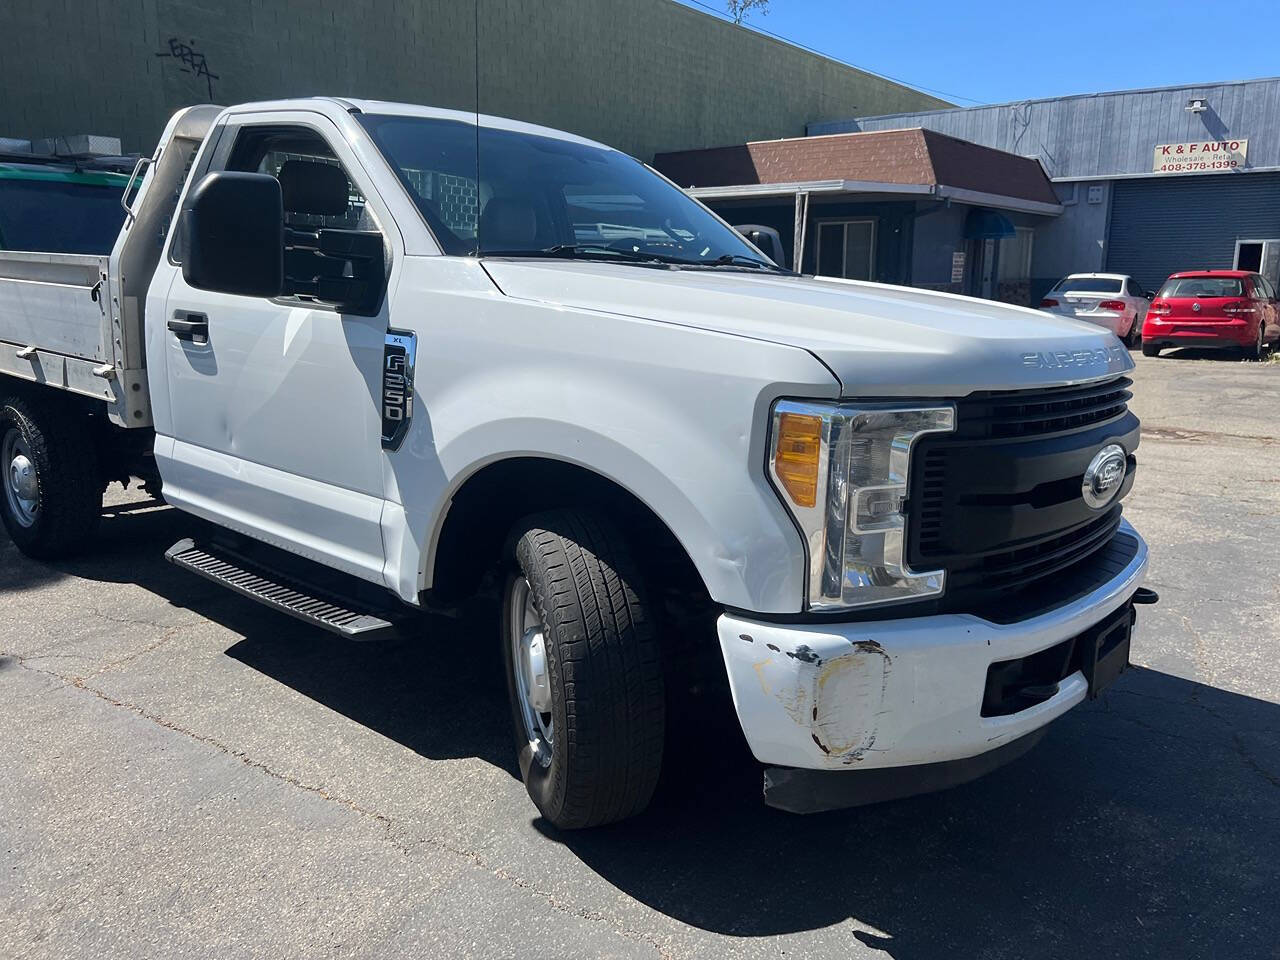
799	447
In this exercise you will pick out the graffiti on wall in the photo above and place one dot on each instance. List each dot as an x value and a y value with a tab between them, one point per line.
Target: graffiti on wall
190	61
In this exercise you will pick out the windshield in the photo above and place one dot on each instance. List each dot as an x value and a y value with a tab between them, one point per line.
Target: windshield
1203	287
548	197
1088	285
53	214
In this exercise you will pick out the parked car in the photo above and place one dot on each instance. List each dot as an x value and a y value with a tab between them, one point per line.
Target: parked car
1213	308
399	355
1110	300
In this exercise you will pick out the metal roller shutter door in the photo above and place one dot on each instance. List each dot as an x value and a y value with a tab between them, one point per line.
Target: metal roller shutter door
1160	226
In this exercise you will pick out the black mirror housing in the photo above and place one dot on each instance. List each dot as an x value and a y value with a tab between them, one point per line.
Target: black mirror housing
765	239
234	232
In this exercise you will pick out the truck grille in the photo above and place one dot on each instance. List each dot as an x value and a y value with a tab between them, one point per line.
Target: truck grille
1033	413
997	503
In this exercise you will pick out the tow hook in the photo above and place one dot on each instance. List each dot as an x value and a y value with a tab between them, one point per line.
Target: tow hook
1144	595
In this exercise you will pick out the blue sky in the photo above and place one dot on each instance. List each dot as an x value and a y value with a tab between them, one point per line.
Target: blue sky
991	51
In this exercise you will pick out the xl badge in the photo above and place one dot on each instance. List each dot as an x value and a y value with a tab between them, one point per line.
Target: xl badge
398	354
1103	477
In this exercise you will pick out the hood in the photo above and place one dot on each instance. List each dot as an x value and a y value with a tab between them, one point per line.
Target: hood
878	340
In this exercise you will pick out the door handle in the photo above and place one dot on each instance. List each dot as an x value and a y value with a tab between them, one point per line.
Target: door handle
192	327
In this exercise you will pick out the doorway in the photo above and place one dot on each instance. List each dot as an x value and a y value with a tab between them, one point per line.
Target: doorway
1259	256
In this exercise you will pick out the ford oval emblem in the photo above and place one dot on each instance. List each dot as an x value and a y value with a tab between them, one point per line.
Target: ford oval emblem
1103	477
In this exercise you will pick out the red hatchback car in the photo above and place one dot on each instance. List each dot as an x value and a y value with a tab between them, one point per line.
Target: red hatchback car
1213	308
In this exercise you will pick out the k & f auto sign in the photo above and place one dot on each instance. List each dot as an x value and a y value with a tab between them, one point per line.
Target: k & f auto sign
1206	156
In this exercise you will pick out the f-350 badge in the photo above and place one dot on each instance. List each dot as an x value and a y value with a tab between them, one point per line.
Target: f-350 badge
399	352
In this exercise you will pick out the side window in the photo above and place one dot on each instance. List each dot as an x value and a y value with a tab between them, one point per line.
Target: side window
318	193
1135	289
323	211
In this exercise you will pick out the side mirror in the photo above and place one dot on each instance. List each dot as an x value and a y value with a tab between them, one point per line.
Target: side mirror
1150	295
345	269
234	231
765	239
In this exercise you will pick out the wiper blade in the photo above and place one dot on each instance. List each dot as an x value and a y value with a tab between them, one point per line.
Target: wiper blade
604	252
570	250
738	260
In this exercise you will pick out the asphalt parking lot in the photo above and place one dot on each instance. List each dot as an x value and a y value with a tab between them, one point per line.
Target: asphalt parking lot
185	774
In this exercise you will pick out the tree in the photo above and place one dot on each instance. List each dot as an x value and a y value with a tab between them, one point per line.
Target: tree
739	10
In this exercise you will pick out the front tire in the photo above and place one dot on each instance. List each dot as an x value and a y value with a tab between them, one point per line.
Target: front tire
51	489
583	671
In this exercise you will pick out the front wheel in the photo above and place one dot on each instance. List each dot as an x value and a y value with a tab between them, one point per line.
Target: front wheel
583	671
52	492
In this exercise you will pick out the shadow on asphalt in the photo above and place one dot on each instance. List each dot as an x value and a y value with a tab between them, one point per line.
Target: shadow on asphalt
1227	354
443	698
1146	824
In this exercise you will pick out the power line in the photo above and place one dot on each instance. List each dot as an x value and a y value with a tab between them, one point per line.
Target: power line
720	14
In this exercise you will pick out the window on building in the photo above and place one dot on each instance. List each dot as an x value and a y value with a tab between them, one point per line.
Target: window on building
847	248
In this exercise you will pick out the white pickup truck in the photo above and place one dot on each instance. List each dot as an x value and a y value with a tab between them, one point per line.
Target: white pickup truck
396	353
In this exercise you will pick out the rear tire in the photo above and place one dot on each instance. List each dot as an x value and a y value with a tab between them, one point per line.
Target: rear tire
589	735
1259	349
51	489
1133	339
1150	350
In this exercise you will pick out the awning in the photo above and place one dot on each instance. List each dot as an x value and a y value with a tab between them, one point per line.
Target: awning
982	223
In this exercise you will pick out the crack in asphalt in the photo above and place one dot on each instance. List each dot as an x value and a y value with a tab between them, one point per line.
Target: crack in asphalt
1241	749
389	827
1158	432
1252	762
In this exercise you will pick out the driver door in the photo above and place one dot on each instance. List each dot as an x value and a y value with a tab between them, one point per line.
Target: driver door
275	418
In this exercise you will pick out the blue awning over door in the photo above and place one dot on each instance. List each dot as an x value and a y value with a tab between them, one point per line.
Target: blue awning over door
982	223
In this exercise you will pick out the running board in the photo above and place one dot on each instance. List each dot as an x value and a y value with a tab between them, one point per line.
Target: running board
279	592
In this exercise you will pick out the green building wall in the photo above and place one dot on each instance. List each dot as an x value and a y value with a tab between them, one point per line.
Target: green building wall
642	75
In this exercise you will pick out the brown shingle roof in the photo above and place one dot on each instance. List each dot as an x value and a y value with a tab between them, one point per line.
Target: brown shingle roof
917	156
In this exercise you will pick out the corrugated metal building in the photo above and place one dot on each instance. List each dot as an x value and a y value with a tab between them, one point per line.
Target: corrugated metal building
1151	181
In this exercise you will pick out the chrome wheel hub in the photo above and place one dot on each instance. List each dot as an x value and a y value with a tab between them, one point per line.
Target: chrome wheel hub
21	485
527	637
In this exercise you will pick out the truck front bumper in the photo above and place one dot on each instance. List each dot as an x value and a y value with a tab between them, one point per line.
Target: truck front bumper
906	697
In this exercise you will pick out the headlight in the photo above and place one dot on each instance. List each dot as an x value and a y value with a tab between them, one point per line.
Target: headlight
841	468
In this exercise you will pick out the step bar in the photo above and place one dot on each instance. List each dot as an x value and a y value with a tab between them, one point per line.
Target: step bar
280	592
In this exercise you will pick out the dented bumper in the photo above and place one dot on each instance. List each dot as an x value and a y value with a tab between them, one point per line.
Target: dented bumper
898	693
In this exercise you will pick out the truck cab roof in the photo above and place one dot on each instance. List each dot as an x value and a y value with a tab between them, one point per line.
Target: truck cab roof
327	104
